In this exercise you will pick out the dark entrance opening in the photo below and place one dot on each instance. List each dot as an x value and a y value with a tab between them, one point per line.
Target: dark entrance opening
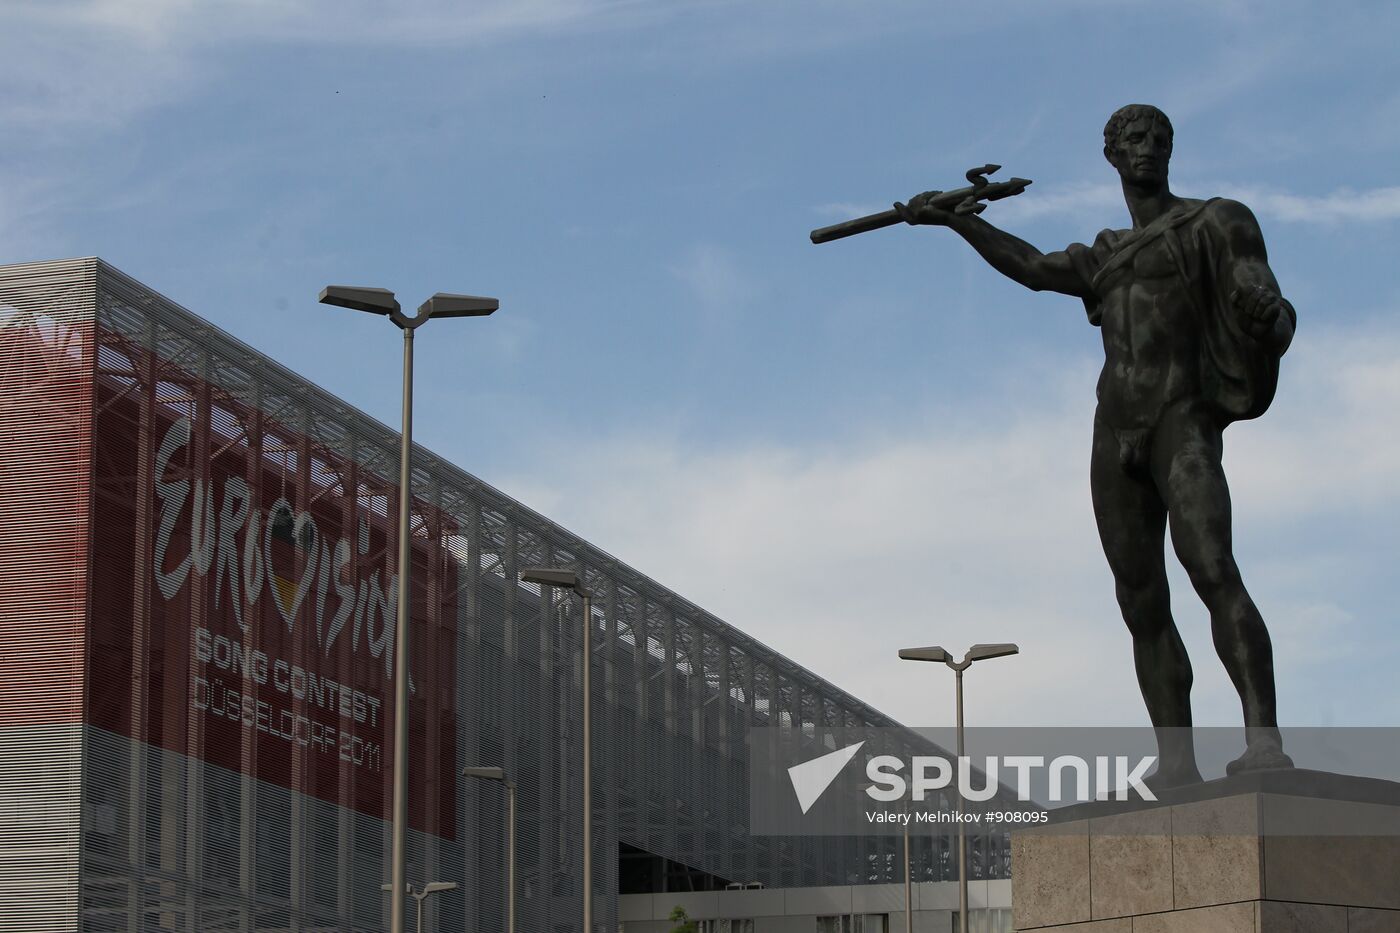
641	872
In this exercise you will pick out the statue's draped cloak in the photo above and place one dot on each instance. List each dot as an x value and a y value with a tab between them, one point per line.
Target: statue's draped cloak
1238	373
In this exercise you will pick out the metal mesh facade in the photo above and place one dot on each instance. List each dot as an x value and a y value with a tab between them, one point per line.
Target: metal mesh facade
45	440
216	794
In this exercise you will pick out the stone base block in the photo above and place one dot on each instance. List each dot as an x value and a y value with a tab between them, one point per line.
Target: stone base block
1252	862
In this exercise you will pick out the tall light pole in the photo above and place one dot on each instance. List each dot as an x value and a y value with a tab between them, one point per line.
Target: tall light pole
432	887
499	774
908	872
568	580
975	653
382	301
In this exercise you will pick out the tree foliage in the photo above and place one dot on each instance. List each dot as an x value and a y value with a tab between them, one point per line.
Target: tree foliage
682	921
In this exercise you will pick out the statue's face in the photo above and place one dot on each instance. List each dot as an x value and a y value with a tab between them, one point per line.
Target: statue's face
1142	152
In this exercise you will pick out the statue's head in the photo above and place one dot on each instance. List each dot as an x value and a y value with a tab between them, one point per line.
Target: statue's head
1137	140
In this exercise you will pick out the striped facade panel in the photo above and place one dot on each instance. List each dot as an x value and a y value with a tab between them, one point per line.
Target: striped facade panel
46	375
40	811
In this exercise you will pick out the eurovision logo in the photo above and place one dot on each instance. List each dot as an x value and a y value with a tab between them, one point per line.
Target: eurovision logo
249	552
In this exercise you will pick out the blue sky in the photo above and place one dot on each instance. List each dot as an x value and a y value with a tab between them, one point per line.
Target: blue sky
841	449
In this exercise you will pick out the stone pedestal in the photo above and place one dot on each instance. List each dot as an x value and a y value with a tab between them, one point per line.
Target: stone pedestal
1223	857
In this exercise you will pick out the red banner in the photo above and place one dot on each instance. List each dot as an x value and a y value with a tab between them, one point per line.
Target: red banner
244	600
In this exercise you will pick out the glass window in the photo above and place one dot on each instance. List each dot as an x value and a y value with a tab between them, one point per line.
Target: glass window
872	923
850	923
992	920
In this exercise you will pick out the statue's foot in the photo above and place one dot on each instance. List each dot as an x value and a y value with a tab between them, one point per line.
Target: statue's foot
1167	777
1263	754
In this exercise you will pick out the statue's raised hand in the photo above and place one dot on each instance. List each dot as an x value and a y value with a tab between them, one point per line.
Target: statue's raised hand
922	210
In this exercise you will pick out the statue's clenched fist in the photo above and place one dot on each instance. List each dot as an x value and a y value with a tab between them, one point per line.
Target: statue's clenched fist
1259	308
922	210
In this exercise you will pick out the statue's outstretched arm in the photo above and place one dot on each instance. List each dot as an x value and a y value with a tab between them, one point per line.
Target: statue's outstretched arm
1010	255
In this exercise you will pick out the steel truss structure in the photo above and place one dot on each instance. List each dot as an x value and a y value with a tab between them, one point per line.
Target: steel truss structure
153	815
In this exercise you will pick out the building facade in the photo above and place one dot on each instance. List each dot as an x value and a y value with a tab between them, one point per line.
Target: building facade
197	613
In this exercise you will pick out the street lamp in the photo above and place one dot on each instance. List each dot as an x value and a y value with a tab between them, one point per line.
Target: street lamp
499	774
568	580
382	301
432	887
975	653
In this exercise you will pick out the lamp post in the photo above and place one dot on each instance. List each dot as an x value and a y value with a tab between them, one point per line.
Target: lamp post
975	653
908	875
432	887
382	301
568	580
499	774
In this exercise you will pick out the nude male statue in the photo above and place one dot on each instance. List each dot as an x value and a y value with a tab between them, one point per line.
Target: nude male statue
1193	327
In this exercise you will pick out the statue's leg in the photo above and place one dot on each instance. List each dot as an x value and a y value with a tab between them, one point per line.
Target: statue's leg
1187	462
1132	518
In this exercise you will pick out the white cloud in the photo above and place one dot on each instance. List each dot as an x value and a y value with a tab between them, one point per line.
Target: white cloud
1345	205
80	61
1328	445
210	22
97	63
838	555
56	76
1097	202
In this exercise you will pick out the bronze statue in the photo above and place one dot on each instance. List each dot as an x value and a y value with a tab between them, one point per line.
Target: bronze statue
1193	328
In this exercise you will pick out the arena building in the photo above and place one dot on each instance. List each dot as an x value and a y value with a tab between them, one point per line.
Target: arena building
197	594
